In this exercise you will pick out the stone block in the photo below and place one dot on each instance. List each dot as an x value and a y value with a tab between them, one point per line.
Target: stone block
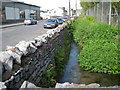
2	86
7	60
21	75
26	76
93	85
64	85
1	71
34	74
18	85
31	79
27	84
11	85
17	78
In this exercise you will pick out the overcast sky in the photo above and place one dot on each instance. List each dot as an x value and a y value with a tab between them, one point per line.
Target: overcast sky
50	4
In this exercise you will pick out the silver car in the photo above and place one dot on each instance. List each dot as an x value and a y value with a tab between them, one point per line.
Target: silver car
51	23
30	21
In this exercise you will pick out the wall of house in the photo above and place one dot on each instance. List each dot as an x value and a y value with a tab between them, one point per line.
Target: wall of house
56	12
11	11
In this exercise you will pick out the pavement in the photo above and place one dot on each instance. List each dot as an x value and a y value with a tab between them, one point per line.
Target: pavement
12	25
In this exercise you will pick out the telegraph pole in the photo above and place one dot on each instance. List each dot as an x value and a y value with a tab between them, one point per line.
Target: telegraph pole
69	9
110	14
76	8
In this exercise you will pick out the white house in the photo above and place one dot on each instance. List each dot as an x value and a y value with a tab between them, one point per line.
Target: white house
78	12
45	15
58	12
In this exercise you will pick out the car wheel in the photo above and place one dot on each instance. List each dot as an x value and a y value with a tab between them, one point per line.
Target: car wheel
33	23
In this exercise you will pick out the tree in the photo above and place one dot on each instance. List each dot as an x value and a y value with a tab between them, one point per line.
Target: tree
87	5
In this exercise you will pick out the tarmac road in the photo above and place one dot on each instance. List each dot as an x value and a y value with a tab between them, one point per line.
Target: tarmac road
12	35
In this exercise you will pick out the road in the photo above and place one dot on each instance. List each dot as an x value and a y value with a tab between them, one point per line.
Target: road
12	35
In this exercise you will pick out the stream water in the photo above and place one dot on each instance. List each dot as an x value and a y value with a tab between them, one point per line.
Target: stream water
75	74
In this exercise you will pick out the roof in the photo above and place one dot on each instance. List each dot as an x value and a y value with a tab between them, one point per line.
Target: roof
16	1
56	8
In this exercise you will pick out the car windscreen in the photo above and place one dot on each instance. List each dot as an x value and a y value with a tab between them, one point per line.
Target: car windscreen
30	19
59	19
65	18
51	20
27	19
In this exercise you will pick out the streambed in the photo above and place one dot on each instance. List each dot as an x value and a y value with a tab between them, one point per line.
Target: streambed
75	74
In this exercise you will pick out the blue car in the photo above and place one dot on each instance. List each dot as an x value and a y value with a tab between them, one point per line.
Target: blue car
51	23
60	20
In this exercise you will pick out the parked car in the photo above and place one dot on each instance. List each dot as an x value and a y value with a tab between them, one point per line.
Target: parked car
72	18
41	18
65	19
51	23
30	21
60	20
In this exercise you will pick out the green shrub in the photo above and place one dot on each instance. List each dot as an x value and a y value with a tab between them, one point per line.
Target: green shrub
49	77
99	49
100	56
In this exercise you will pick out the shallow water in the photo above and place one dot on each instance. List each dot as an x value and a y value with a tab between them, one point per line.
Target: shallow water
75	74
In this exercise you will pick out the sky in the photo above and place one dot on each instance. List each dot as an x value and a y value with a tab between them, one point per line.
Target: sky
50	4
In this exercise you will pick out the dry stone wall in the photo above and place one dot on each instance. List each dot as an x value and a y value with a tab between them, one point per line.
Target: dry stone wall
33	57
89	86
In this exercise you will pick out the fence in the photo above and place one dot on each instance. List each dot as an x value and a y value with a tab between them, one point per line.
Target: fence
102	13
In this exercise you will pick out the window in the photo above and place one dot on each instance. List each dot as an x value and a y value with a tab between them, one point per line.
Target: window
22	14
3	13
33	14
17	15
10	13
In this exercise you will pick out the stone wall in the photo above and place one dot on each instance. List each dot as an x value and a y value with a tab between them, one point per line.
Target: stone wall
34	64
92	86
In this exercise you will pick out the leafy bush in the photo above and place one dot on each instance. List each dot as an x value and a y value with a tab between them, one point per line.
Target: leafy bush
49	77
100	50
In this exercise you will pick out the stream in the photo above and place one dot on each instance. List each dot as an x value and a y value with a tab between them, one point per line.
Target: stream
75	74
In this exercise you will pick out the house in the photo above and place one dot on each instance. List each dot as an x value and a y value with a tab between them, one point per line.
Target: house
44	14
57	12
78	11
16	11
